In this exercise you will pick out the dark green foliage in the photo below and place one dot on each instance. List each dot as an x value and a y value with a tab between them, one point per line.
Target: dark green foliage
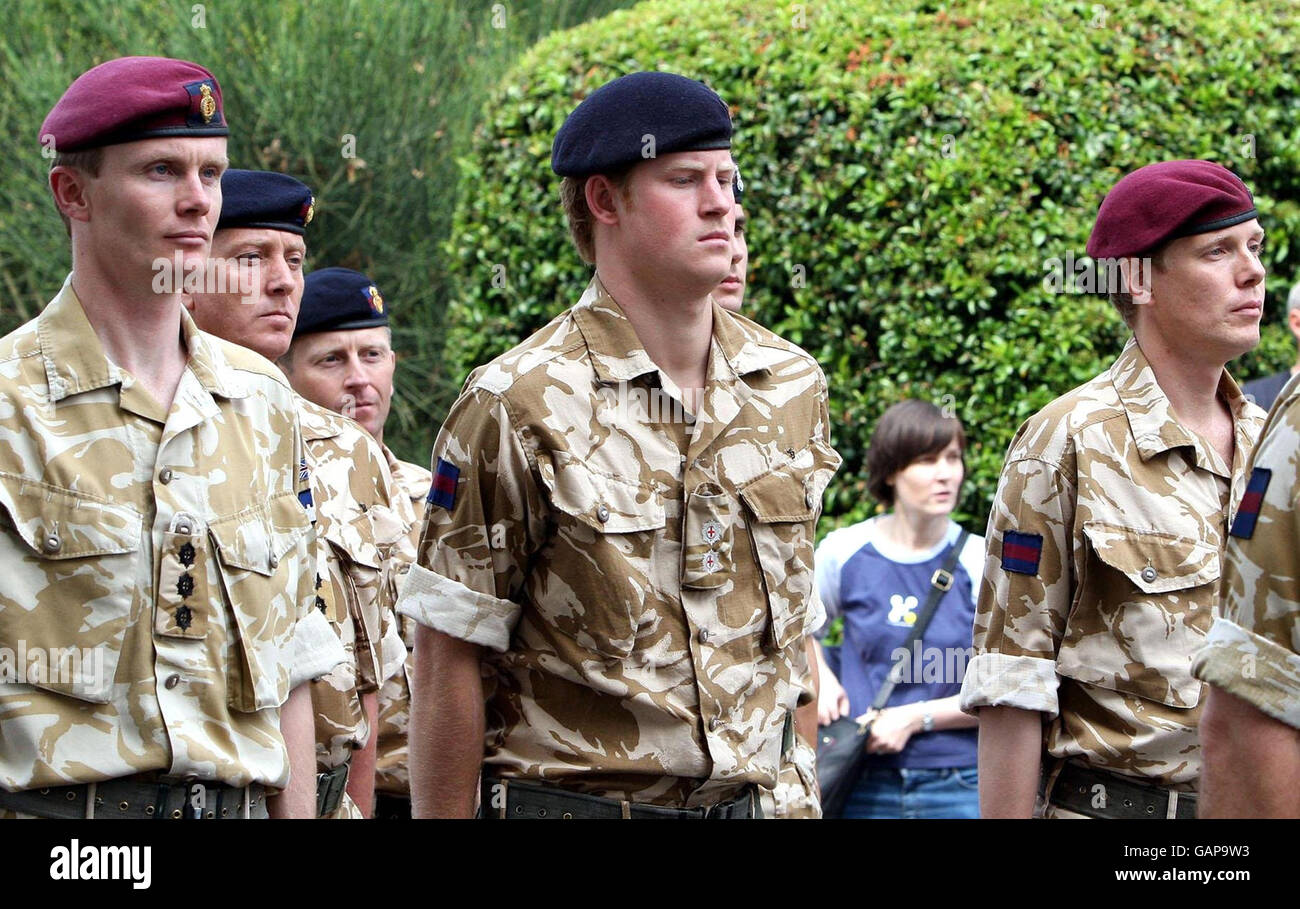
916	167
405	80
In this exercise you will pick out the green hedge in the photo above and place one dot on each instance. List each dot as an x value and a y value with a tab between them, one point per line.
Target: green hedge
405	80
918	163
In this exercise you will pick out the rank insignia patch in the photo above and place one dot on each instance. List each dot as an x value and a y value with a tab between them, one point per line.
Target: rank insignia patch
1243	525
1021	552
443	490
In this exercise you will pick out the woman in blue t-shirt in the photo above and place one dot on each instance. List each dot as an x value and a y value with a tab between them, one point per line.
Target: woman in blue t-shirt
876	574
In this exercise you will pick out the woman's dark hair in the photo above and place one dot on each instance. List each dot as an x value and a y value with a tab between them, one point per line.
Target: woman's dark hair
909	430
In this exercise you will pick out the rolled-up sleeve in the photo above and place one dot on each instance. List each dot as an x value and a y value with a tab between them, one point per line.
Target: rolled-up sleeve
1026	590
1251	650
314	649
483	522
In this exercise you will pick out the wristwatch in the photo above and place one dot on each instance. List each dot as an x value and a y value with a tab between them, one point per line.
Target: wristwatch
927	722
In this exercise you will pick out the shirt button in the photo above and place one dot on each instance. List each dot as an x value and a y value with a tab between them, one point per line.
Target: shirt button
704	636
602	514
714	723
808	498
165	476
172	682
1148	574
52	543
184	528
275	561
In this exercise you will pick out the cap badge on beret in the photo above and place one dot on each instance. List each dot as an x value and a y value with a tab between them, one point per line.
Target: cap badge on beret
308	211
375	299
203	104
207	104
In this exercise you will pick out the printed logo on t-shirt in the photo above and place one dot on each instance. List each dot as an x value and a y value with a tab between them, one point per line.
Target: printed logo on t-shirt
902	611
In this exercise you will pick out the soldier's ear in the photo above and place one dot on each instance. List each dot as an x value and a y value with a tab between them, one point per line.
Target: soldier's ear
69	185
600	193
1137	278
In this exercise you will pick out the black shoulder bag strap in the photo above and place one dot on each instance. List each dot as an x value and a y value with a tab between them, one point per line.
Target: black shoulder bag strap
940	583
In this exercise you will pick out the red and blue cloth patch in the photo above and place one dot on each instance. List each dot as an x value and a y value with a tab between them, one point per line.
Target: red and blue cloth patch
1021	552
443	490
1243	525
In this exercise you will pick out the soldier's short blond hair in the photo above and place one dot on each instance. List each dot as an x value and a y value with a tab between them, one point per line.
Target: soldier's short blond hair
573	196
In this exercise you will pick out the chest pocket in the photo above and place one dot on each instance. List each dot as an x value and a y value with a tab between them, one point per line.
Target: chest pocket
261	553
1145	605
594	582
70	581
784	504
359	584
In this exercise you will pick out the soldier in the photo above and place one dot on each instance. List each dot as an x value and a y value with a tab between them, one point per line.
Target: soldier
156	557
796	794
1105	536
359	514
1265	389
342	358
619	532
1251	658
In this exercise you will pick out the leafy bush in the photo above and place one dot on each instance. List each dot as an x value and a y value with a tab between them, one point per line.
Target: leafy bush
367	101
910	167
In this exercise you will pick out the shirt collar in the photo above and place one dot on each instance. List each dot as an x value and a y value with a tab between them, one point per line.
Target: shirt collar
75	360
618	356
1150	415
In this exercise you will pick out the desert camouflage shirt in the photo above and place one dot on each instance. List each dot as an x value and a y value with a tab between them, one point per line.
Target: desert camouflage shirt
1252	648
1102	576
391	774
796	796
167	549
360	516
638	572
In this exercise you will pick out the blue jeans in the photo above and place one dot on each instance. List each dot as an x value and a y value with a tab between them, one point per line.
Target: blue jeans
904	793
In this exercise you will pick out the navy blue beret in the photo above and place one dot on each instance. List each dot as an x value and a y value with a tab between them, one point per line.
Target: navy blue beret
259	198
639	116
337	299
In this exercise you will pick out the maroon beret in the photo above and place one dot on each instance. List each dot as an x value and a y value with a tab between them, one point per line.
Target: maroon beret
133	98
1165	201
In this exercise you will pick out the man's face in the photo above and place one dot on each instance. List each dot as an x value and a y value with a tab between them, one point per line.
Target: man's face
261	314
349	372
730	294
151	200
1209	293
676	233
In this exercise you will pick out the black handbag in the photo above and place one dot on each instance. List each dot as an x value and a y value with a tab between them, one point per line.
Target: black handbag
842	746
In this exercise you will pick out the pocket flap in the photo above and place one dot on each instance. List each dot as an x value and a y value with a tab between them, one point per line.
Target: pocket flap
61	524
604	503
779	497
257	538
356	537
792	491
1155	562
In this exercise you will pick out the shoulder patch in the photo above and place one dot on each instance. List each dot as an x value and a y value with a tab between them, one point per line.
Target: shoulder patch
1243	525
443	490
1021	552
